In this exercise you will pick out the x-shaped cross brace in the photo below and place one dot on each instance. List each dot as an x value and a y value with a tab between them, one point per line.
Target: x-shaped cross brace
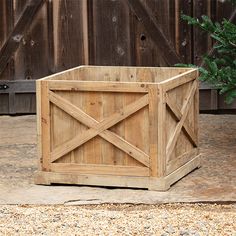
181	115
99	128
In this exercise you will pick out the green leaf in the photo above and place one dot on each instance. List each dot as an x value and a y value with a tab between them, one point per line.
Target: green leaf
185	65
219	70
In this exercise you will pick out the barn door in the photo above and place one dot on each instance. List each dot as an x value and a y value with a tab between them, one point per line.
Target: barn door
17	87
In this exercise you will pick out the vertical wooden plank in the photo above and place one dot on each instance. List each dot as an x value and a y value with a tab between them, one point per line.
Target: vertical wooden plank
161	132
31	57
69	29
63	127
110	44
130	127
12	108
92	105
144	51
50	29
39	124
153	129
166	15
18	8
85	31
183	32
224	9
140	117
45	125
78	154
108	150
4	104
6	26
202	42
196	111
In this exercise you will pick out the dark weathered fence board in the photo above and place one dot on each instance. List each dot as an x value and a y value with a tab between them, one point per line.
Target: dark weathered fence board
146	17
109	34
68	26
6	26
16	35
18	97
31	58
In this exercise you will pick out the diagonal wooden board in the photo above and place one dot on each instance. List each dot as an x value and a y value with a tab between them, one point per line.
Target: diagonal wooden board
184	112
99	128
146	16
14	39
177	113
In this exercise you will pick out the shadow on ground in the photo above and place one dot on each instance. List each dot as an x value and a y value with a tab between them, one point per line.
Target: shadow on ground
213	182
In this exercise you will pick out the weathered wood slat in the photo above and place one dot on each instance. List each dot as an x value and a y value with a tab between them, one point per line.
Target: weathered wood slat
20	96
100	169
145	15
98	86
153	129
18	86
45	124
16	35
181	160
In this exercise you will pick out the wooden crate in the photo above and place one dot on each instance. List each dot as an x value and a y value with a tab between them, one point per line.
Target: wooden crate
118	126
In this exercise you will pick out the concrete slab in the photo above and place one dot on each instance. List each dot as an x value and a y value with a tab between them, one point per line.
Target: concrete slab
213	182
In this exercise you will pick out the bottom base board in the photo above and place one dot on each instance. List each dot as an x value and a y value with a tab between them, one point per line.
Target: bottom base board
151	183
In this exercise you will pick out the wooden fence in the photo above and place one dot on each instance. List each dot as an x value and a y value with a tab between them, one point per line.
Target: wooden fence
41	37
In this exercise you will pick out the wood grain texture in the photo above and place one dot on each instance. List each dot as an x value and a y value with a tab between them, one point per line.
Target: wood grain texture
153	129
105	127
100	169
45	125
156	184
68	33
16	35
146	16
70	47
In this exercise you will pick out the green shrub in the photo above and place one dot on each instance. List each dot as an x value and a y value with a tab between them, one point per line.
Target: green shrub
219	69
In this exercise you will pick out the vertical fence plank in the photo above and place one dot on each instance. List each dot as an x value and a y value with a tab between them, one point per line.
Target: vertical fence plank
184	42
201	40
6	26
110	30
69	37
31	58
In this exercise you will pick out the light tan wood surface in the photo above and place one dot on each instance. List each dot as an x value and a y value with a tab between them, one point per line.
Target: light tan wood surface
113	122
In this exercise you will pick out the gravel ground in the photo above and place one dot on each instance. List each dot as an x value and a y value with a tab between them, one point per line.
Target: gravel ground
164	220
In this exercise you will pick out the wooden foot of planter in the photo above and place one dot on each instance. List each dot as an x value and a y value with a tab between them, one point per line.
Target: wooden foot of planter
157	184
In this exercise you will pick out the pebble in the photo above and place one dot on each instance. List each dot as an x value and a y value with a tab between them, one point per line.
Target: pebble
120	219
170	230
184	233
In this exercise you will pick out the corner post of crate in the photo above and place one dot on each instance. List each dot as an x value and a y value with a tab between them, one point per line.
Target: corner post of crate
39	127
45	125
161	131
153	129
196	109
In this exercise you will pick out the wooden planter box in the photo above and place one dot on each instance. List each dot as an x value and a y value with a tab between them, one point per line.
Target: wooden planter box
118	126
